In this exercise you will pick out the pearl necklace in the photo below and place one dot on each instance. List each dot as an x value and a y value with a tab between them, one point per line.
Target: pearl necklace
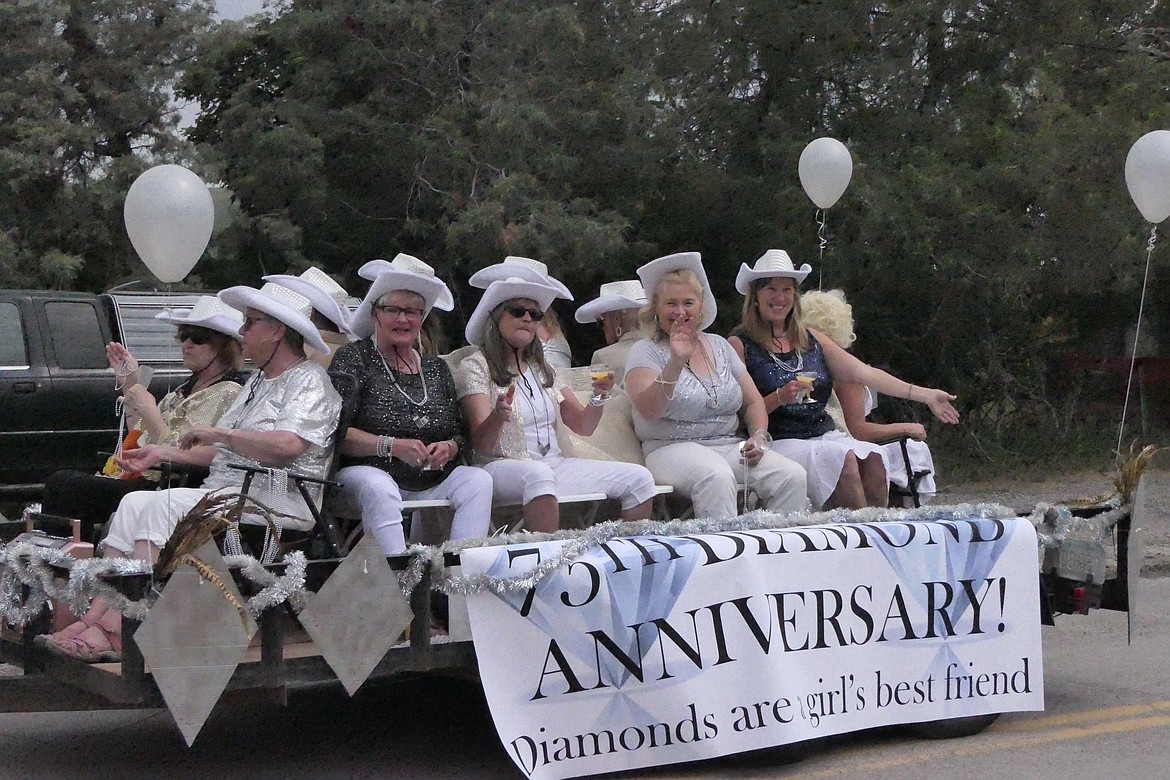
420	417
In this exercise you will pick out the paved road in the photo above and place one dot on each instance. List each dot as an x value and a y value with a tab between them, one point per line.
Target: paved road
1108	716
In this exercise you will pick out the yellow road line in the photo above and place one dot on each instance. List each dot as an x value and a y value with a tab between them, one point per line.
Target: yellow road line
1003	739
1088	716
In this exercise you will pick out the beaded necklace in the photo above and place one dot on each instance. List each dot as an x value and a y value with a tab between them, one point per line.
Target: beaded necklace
420	417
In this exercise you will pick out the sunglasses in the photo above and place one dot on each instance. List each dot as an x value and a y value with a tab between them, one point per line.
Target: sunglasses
411	312
519	311
197	336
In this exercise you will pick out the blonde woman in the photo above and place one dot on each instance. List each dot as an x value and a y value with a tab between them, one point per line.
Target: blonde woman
688	390
794	368
829	313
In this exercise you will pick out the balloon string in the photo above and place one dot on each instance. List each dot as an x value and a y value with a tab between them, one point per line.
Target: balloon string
823	243
1136	336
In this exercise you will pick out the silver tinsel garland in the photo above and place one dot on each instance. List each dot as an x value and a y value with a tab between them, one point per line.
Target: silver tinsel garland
26	565
23	564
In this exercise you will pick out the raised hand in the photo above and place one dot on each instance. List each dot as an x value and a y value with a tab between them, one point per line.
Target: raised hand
684	337
503	407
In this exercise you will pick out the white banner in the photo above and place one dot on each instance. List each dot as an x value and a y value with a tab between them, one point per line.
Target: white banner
654	650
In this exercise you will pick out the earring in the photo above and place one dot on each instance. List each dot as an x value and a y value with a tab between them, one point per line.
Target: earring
617	331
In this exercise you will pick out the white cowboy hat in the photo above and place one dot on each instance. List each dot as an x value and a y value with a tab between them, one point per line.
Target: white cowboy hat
424	283
774	262
324	294
280	303
208	312
402	262
519	268
613	296
692	261
500	291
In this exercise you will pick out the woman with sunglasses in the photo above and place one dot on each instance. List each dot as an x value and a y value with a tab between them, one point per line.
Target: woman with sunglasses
515	405
209	337
284	420
407	439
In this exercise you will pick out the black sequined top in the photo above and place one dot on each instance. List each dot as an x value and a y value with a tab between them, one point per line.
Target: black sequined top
383	409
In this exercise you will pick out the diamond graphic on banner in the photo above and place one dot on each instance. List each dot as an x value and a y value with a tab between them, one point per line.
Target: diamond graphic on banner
193	639
358	614
659	586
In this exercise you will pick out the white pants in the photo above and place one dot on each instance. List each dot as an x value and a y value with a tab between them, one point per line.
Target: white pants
520	481
152	516
373	493
149	516
710	474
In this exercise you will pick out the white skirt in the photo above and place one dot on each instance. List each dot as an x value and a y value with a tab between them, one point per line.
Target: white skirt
823	458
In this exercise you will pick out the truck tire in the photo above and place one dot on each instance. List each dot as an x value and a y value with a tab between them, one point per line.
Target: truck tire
949	728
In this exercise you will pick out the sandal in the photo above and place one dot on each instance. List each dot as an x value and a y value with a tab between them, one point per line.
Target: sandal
91	646
96	615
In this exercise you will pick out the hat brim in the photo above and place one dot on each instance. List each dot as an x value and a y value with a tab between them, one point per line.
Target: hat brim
604	304
243	298
318	298
745	277
691	261
503	271
220	323
431	289
500	291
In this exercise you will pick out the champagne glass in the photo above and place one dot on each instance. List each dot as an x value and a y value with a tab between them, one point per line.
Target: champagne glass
806	380
599	372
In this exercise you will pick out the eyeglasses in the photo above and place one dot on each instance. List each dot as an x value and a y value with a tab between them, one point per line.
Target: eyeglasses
197	336
411	312
250	321
519	311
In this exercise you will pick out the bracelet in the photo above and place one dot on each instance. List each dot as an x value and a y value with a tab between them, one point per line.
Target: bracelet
598	400
230	445
658	380
910	393
384	447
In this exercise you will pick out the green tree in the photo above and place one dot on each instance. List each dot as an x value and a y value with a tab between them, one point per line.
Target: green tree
84	107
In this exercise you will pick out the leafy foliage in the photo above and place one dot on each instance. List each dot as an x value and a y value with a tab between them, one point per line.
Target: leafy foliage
84	105
986	241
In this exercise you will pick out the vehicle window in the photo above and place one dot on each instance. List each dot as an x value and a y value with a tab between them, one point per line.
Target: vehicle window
76	334
13	352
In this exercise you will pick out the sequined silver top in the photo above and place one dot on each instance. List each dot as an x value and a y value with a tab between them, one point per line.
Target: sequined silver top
703	409
301	400
391	404
473	378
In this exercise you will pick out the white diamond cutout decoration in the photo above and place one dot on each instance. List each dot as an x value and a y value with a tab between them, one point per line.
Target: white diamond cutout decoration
358	614
193	639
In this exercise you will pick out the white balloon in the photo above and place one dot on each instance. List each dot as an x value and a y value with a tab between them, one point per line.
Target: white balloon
169	214
825	169
1147	174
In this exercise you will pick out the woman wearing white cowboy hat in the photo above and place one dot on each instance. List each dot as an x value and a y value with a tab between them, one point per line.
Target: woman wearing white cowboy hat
515	403
830	314
552	338
688	390
780	351
407	440
616	309
210	342
286	419
329	314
